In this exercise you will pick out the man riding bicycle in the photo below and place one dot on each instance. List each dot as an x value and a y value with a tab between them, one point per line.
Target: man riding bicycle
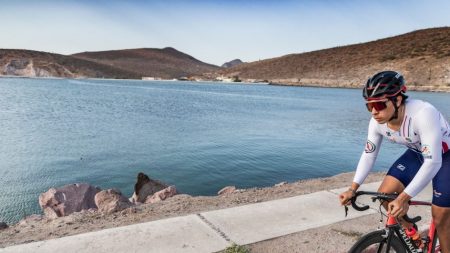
424	131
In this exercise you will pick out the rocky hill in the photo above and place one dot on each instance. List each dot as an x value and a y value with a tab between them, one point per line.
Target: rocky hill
232	63
16	62
423	56
164	63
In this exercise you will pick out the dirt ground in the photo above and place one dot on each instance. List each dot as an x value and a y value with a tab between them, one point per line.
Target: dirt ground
335	238
180	205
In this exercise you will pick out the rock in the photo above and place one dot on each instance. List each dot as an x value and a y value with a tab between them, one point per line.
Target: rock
89	211
227	190
145	187
110	201
20	67
162	195
128	211
3	225
51	213
280	184
19	63
30	219
58	202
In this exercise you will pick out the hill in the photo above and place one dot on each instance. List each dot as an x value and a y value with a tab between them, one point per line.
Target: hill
423	56
232	63
17	62
165	63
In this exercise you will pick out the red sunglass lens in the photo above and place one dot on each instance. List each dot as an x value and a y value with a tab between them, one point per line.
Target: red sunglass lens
379	106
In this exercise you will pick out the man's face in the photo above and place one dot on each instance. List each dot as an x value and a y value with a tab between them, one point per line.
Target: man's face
380	114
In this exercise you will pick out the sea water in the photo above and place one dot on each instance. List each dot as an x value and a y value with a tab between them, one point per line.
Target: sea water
198	136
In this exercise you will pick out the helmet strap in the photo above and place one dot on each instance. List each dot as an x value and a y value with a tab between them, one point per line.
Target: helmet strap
395	115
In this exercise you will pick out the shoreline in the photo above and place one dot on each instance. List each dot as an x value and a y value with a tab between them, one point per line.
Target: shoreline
443	89
37	229
428	88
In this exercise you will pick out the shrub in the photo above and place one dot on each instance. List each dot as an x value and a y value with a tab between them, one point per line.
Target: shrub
236	249
388	57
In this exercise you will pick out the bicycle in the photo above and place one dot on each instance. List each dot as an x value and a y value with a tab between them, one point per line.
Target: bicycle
393	237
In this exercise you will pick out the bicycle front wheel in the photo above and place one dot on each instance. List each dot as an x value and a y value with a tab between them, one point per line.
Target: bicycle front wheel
376	242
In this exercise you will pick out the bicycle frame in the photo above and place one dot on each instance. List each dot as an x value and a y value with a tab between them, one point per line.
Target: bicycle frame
392	225
432	227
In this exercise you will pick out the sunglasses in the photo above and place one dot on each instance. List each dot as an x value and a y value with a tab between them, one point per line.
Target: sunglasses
379	105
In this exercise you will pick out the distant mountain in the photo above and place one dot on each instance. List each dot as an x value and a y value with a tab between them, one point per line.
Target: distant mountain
164	63
232	63
16	62
423	56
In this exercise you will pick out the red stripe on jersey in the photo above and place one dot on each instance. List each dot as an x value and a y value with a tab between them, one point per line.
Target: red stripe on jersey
404	123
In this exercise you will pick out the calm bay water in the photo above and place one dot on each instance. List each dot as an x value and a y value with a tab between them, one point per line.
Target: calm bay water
197	136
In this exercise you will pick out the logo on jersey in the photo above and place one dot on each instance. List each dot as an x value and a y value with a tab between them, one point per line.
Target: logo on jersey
401	167
370	147
388	133
408	139
426	151
437	194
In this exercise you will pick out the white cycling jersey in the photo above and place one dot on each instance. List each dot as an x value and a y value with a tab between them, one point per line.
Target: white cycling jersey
423	130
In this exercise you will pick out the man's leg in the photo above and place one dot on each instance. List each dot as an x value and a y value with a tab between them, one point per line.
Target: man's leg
401	172
441	203
389	185
400	175
441	217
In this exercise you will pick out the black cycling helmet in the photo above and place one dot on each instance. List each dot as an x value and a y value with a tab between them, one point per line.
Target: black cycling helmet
384	84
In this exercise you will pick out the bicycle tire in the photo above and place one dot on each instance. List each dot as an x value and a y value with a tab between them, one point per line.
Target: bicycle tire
370	241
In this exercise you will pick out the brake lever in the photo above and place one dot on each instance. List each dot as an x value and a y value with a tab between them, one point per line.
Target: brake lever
346	210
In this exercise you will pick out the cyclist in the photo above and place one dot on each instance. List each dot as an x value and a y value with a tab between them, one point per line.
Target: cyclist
424	131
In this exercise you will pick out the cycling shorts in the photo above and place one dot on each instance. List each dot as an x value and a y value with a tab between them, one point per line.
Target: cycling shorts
406	167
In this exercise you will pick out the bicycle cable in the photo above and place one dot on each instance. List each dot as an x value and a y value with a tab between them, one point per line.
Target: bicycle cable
380	224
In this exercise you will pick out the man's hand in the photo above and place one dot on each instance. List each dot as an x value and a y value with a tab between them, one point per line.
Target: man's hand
399	206
345	197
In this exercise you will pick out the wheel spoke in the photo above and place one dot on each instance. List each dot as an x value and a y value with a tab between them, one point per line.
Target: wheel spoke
376	242
380	247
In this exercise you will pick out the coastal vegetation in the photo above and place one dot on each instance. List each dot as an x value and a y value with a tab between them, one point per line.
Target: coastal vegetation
236	249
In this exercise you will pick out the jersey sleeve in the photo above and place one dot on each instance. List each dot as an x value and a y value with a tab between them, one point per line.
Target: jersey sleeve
369	155
429	129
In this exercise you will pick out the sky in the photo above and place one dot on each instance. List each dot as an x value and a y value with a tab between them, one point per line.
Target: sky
211	31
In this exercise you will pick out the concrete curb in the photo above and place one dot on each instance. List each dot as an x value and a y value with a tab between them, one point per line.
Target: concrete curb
214	230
